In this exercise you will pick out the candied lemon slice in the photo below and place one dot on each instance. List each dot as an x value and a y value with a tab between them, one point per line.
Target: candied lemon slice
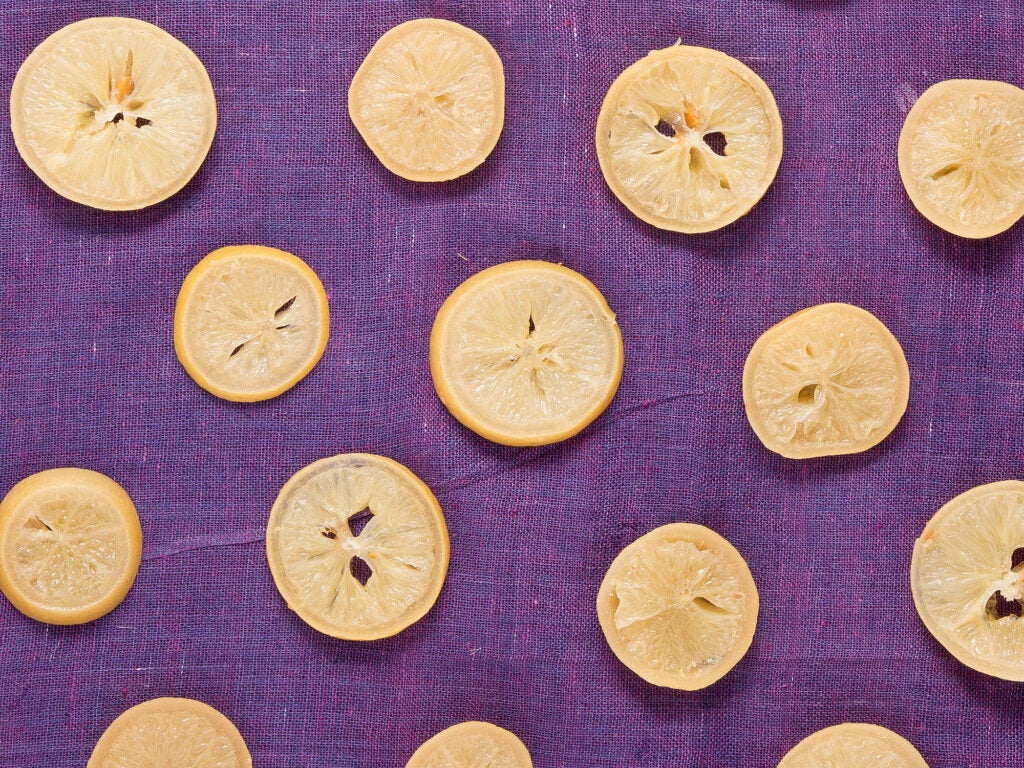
250	322
171	732
827	380
113	113
853	745
357	546
70	545
689	139
526	353
429	99
967	577
678	606
472	744
961	156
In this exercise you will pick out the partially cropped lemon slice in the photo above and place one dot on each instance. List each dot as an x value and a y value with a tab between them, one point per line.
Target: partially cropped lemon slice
689	139
961	156
70	545
827	380
250	322
472	744
171	732
526	353
678	606
429	99
113	113
853	745
967	576
357	546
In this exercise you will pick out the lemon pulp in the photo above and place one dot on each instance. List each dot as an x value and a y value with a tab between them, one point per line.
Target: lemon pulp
472	745
853	745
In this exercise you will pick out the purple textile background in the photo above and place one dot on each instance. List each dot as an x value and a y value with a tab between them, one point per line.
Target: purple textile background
88	377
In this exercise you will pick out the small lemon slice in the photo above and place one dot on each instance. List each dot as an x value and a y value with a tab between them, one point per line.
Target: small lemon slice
853	745
113	113
429	99
526	353
70	545
472	744
827	380
967	577
961	156
357	546
250	322
678	606
689	139
171	732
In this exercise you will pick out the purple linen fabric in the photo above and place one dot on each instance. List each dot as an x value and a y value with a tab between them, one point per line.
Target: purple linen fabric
88	377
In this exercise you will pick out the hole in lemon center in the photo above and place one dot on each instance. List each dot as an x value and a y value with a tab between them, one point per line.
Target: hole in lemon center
361	570
358	521
998	607
665	129
1017	559
716	142
808	395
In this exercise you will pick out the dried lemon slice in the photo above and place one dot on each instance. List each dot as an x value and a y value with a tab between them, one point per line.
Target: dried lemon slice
678	606
689	139
827	380
961	156
70	545
472	744
169	731
357	546
250	322
526	353
853	745
967	577
113	113
429	99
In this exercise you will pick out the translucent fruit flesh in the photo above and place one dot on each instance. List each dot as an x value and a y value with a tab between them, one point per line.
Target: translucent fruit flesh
472	745
429	99
678	606
526	353
357	546
853	745
689	139
113	113
828	380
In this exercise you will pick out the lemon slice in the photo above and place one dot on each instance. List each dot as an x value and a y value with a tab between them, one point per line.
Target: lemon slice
250	322
429	99
70	545
853	745
678	606
472	744
961	156
113	113
357	546
967	577
526	353
689	139
171	732
827	380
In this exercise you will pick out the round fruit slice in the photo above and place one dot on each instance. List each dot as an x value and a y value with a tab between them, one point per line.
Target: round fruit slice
472	744
961	156
171	732
250	322
689	139
357	546
967	577
113	113
853	745
526	353
70	545
429	99
678	606
827	380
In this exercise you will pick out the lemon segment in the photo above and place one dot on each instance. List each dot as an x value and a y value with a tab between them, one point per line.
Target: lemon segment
472	744
853	745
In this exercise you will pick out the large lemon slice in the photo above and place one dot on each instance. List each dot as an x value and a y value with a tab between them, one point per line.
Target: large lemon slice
429	99
70	545
689	139
357	546
472	744
827	380
678	606
853	745
113	113
961	156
